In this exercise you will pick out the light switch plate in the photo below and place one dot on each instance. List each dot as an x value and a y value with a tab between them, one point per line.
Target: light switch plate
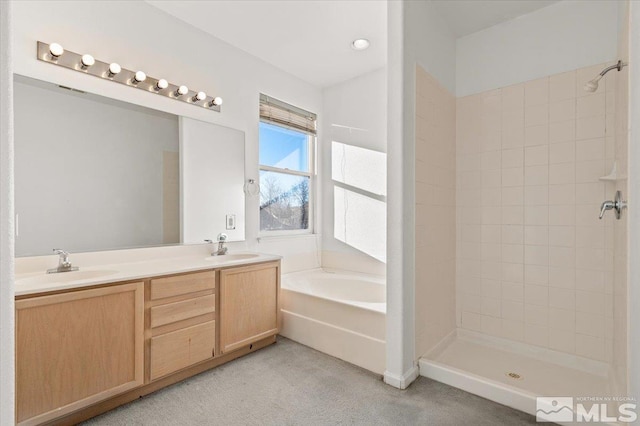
231	221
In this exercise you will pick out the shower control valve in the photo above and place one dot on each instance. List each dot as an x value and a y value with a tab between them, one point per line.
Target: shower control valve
617	205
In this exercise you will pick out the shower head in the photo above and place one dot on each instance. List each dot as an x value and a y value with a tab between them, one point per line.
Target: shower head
592	85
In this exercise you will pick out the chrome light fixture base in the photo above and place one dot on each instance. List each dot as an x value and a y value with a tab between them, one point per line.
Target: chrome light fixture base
73	61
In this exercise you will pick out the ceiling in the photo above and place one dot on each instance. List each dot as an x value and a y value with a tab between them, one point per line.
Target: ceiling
468	16
311	39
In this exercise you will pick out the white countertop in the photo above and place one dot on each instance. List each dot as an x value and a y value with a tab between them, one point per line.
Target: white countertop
41	282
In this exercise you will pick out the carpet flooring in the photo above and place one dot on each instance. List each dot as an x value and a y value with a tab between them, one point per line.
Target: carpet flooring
291	384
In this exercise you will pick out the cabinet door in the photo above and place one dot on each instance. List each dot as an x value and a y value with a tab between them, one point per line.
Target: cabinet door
248	304
179	349
74	349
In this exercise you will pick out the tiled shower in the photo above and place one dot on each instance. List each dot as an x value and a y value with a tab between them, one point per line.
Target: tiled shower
535	262
539	279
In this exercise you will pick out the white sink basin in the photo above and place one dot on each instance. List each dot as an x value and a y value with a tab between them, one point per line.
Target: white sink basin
232	257
63	277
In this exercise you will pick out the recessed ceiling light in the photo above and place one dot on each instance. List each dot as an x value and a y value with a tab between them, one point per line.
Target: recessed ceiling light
360	44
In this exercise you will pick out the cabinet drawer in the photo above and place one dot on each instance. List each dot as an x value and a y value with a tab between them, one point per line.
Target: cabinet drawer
179	349
182	284
178	311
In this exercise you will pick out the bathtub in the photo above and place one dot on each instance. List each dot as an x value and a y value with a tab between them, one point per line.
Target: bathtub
337	312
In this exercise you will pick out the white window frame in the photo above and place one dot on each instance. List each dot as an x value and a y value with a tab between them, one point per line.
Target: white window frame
311	174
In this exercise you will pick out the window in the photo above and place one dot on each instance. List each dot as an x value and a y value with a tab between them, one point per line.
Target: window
287	141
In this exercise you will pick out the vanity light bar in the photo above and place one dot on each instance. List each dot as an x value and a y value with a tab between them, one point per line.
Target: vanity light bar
55	54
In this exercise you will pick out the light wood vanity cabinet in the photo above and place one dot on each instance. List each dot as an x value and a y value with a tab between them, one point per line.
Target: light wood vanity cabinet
248	304
182	322
83	352
77	348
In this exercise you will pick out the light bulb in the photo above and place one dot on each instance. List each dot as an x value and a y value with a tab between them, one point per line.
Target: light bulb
114	69
200	96
217	101
360	44
87	61
182	90
56	50
162	84
139	77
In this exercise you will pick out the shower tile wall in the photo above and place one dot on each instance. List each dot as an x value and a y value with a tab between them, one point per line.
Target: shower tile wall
533	261
435	203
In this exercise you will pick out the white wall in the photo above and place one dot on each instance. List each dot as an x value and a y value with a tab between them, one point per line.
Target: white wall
416	34
89	175
139	36
7	373
557	38
430	43
399	334
355	119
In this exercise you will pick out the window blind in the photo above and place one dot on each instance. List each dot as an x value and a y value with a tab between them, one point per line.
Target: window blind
282	114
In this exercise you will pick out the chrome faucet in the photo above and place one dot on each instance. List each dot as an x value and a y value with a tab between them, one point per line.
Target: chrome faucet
222	238
222	250
616	205
64	265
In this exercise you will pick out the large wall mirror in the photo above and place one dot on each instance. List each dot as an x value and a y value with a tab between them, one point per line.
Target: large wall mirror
93	173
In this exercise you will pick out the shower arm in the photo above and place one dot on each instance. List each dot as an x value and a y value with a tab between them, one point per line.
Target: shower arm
617	66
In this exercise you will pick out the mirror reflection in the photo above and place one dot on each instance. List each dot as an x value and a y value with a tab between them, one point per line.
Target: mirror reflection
93	173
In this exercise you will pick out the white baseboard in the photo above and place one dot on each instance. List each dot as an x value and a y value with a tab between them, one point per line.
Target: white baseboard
402	382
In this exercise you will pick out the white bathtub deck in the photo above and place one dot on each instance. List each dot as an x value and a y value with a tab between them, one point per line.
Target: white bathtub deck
482	367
